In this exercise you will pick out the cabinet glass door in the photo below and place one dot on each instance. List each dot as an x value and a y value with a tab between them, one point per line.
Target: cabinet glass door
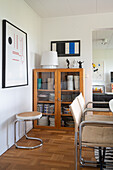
46	98
70	88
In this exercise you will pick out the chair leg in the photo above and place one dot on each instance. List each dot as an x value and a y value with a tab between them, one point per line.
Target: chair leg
100	158
15	132
76	155
104	151
26	147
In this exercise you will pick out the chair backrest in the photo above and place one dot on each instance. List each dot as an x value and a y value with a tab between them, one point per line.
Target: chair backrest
81	102
76	113
111	105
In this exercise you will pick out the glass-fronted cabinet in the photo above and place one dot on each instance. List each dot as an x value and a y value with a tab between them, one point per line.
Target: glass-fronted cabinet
54	90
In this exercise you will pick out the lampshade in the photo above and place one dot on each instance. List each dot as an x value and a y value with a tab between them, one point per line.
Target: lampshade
49	59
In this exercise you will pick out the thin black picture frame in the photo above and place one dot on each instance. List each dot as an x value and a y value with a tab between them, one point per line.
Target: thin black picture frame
63	48
14	56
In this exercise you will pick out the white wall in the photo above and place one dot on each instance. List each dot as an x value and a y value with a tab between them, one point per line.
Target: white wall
105	55
18	99
76	28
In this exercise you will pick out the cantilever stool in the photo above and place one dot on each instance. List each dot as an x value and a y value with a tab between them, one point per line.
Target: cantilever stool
27	116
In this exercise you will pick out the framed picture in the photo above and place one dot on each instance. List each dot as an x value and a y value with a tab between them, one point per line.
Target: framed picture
66	48
98	70
15	61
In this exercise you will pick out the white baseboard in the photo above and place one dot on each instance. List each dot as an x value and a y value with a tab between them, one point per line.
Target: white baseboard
6	147
2	150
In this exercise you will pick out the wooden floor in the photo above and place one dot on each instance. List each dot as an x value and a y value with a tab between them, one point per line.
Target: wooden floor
57	153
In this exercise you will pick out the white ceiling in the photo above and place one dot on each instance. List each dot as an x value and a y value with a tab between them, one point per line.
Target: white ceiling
59	8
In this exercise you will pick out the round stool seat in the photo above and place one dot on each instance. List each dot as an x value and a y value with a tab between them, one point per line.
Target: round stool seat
29	115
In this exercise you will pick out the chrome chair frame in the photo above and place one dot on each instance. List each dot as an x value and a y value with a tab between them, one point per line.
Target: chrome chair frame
86	109
94	109
27	137
76	152
96	102
101	162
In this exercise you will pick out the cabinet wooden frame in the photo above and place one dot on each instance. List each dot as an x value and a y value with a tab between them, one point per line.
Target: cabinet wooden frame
57	75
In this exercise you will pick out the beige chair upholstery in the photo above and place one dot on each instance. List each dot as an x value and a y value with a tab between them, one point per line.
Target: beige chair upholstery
101	135
81	102
96	131
76	112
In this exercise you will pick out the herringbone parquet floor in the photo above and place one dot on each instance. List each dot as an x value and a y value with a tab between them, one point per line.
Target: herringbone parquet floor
57	153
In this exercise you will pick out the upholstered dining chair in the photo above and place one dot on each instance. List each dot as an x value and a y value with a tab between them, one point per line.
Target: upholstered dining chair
24	117
85	107
95	132
76	113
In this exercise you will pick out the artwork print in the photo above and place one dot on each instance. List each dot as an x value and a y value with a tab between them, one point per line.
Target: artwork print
15	64
98	70
66	48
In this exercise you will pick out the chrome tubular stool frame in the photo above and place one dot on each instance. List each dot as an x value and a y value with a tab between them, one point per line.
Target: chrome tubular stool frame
27	137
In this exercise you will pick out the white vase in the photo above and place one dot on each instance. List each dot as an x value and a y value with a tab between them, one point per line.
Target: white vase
70	82
76	82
